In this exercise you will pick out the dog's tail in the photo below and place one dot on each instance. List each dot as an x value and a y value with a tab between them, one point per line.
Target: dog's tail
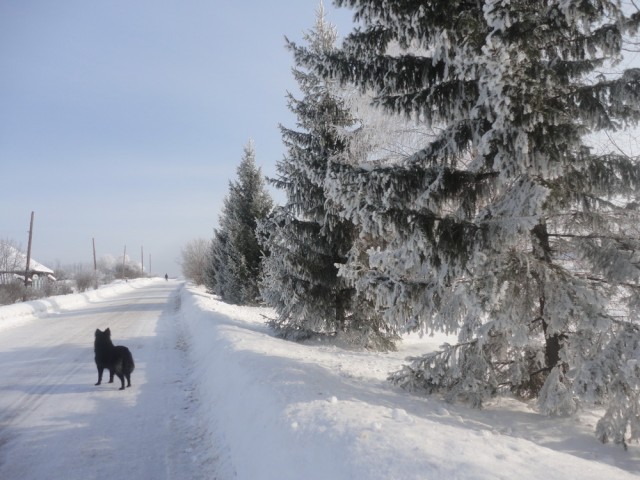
128	364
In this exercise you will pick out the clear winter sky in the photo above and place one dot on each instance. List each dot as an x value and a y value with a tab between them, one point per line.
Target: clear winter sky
124	120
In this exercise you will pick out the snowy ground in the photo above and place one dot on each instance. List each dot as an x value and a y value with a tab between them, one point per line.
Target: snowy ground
214	395
288	411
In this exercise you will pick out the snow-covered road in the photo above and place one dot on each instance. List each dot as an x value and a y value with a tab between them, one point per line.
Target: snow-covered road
54	423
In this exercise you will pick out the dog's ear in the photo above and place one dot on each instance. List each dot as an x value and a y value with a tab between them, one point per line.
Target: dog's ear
108	332
98	332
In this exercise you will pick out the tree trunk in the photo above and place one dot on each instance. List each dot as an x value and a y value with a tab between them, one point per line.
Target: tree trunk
553	341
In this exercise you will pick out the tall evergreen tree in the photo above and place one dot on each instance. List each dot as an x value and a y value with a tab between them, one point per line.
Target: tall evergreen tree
235	261
307	239
507	228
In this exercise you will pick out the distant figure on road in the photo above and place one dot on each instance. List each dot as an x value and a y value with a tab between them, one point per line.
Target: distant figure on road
166	277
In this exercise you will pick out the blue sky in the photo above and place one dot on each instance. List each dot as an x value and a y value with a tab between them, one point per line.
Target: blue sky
125	120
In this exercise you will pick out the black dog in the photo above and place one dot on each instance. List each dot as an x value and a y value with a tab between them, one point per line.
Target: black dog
117	359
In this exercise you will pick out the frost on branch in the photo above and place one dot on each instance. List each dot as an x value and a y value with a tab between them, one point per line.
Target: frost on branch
612	379
461	371
556	397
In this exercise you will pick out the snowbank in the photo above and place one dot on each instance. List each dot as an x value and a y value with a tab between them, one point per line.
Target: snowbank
12	315
282	410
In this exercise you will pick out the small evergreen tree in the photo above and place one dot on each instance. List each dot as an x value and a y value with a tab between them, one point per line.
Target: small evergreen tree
507	228
307	238
235	259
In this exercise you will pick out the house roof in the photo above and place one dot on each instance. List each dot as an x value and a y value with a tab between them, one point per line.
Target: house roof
12	259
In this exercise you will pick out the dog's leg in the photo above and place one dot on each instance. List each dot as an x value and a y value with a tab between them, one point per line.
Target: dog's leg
128	377
100	370
121	377
110	376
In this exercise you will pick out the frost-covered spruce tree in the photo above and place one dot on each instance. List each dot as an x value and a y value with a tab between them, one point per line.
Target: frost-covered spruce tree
306	237
507	228
235	259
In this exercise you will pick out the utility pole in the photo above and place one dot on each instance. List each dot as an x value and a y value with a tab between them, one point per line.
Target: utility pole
142	259
124	256
26	270
95	265
149	265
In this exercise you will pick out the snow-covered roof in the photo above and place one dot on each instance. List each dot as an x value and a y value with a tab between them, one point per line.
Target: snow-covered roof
14	259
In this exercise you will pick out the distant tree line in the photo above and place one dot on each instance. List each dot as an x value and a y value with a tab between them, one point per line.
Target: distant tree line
470	199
